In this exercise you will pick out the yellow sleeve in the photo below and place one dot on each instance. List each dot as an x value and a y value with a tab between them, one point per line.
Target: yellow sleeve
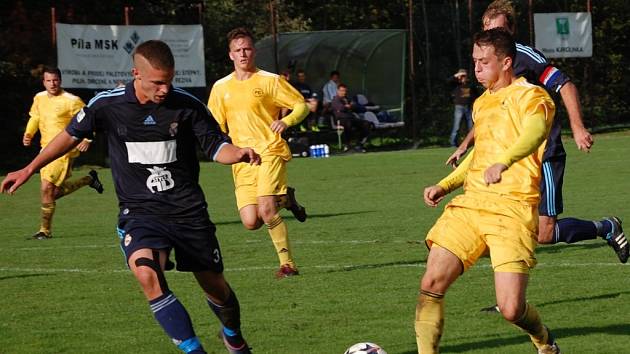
535	130
76	106
285	95
216	108
456	178
33	122
300	111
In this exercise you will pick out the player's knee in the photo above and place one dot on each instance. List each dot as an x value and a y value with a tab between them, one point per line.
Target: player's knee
433	284
150	276
512	311
267	211
252	224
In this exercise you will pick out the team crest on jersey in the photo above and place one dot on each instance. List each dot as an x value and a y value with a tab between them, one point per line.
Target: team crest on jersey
258	92
160	179
127	240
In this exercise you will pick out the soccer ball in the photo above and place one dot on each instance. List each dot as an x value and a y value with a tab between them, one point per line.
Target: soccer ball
365	348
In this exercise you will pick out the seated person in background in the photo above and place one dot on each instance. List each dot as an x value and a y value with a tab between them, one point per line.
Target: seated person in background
330	88
310	97
342	109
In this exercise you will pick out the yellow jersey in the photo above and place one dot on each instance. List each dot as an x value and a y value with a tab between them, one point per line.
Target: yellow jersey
245	110
499	119
51	114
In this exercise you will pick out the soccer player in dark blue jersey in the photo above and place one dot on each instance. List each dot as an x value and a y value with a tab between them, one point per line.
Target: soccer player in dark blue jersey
533	65
152	129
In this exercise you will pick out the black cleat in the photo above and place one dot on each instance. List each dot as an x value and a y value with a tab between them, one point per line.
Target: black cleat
169	265
40	236
96	183
491	309
617	240
241	348
298	211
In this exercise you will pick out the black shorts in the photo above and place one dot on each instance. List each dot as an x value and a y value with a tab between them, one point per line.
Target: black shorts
551	186
194	241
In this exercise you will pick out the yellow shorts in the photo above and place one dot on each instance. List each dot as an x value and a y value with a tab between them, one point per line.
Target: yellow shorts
251	182
57	171
473	224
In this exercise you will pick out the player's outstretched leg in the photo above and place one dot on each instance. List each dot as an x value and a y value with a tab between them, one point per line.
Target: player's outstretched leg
228	310
166	308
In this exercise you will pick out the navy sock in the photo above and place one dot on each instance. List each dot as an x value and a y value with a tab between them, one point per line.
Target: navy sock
175	321
230	316
571	230
603	227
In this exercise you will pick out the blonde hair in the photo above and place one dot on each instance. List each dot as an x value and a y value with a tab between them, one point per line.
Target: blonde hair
498	8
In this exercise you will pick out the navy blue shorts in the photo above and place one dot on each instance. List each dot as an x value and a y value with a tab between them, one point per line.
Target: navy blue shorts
194	241
551	186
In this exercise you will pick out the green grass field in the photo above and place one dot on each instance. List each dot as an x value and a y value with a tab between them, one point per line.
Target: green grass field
361	254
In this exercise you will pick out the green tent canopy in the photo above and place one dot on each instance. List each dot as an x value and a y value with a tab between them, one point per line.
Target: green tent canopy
371	62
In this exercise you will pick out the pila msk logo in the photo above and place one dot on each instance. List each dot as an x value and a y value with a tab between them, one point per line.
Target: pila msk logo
106	44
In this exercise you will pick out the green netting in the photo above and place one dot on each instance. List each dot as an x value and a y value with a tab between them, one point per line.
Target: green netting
371	62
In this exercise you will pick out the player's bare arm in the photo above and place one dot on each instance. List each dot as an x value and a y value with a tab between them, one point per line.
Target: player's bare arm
230	154
59	146
571	100
461	149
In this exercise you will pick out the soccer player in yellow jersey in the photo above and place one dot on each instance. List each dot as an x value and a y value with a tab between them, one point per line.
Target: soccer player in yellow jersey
498	210
247	104
51	111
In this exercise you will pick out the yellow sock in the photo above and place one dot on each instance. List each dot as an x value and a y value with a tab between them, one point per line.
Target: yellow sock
429	321
48	209
531	323
70	186
280	238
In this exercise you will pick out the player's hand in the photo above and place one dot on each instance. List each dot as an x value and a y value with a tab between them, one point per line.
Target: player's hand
433	195
249	155
14	180
583	139
493	173
278	126
454	159
26	140
84	145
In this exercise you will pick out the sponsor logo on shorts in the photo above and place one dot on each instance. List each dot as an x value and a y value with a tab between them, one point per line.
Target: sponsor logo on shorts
127	240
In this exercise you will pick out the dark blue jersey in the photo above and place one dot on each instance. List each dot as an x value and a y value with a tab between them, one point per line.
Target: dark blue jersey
153	148
533	65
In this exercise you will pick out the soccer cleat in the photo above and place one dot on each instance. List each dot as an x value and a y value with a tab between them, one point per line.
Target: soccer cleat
617	239
551	347
292	204
96	183
491	309
286	271
41	236
242	349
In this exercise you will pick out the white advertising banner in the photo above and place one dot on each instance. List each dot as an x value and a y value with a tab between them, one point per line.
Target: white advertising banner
99	57
564	34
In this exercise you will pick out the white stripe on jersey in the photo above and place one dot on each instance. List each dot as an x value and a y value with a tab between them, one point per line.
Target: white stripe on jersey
530	53
152	152
111	93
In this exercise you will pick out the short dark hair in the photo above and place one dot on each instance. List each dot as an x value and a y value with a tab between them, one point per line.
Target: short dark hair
335	72
342	85
157	53
500	39
300	71
238	32
52	70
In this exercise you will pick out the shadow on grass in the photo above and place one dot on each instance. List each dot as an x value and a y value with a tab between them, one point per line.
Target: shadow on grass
576	299
310	216
21	276
563	246
560	333
411	263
